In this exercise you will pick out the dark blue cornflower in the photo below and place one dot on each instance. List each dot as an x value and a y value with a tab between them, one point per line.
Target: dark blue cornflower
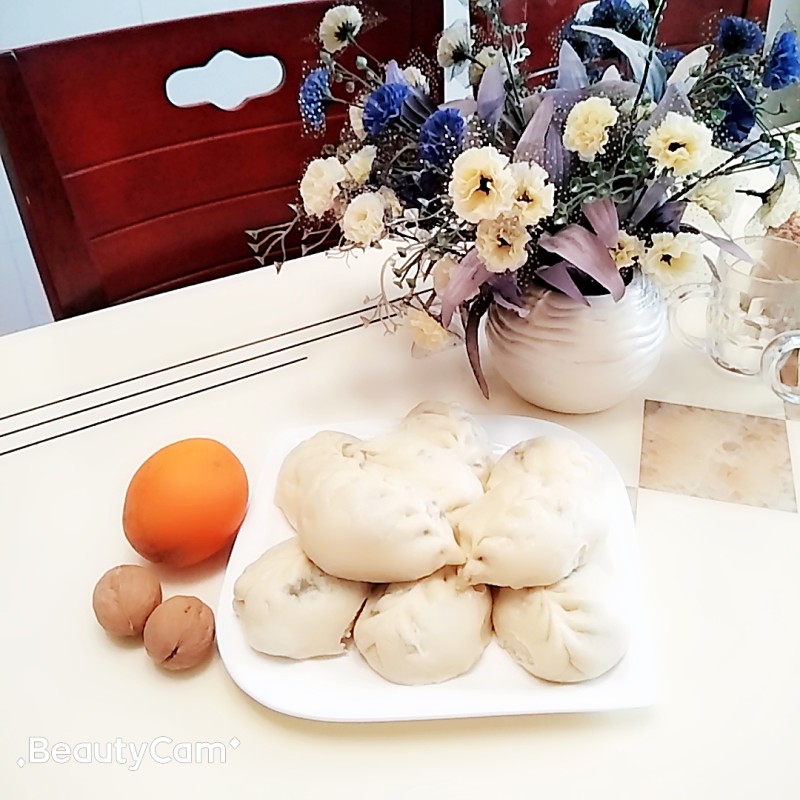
384	105
632	21
670	59
440	136
739	114
783	66
739	35
314	96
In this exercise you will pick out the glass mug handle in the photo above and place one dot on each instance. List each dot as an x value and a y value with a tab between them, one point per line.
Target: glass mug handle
690	291
772	362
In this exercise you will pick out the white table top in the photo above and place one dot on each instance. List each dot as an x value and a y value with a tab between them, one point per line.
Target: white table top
721	574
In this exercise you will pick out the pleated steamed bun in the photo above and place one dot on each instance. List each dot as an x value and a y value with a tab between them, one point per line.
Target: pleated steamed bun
322	452
425	632
451	481
571	631
552	459
448	425
525	533
289	607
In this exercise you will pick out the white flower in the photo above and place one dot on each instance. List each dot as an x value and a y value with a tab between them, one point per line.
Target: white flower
586	129
442	272
339	26
782	202
320	185
485	58
673	258
363	219
391	202
359	165
628	250
416	78
680	144
482	186
501	243
425	331
534	197
454	46
715	196
356	114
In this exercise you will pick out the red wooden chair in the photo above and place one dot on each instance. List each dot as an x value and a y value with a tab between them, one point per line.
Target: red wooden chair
123	194
686	25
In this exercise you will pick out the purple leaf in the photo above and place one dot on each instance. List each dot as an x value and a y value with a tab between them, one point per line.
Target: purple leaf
531	145
654	195
571	71
465	106
584	250
674	99
556	157
464	280
602	216
491	94
726	245
558	276
473	348
505	292
394	74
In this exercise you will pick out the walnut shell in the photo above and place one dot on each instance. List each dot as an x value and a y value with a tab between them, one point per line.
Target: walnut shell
124	598
180	633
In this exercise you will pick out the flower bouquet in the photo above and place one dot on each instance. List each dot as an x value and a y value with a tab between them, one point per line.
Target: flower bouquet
576	177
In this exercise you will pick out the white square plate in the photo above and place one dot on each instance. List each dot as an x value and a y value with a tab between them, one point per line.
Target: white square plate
344	689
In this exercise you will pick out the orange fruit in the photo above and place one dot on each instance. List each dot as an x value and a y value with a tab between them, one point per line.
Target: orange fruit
185	503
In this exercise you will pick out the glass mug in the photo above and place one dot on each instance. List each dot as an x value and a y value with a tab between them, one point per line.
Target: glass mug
753	314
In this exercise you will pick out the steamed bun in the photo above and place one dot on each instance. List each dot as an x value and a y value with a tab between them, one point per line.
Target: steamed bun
289	607
425	632
523	532
571	631
372	524
552	459
323	451
450	480
448	425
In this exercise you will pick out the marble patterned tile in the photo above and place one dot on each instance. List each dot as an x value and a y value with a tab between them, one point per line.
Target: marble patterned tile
719	455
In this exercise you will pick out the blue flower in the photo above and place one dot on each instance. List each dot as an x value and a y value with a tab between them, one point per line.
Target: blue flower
739	35
440	136
633	21
384	105
314	96
783	66
739	115
670	59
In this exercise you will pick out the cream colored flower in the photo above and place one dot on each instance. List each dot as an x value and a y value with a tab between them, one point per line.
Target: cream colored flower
586	129
339	26
426	332
485	58
320	185
534	197
715	196
442	272
782	202
356	115
454	46
673	259
482	186
363	219
501	243
416	78
359	165
629	249
680	144
390	202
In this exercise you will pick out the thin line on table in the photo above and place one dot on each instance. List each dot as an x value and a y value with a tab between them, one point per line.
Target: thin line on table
123	381
152	405
140	392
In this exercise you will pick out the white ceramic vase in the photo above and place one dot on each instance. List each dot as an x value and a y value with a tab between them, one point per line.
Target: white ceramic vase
577	359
